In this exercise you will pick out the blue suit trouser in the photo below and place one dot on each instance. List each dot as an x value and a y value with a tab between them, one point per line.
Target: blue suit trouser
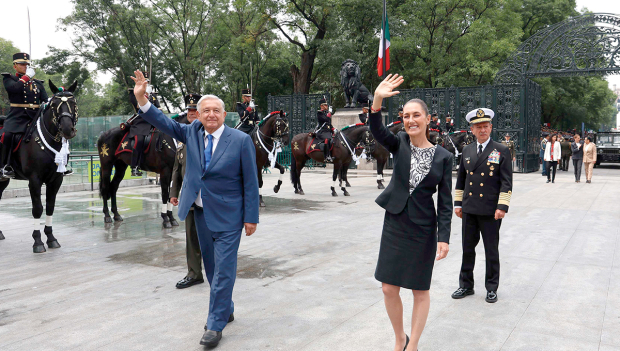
219	255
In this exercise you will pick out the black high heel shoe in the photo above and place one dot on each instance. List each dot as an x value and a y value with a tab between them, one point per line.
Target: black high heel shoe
407	343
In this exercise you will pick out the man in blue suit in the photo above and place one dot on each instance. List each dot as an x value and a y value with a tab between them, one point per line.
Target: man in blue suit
221	184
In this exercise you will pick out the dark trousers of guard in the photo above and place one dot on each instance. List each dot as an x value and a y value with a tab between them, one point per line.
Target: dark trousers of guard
194	258
475	226
138	149
8	145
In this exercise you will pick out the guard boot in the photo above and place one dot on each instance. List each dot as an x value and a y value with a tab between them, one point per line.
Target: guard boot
326	152
135	172
7	172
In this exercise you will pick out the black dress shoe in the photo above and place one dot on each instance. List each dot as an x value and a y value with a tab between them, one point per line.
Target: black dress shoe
462	292
491	297
68	172
211	338
231	318
187	282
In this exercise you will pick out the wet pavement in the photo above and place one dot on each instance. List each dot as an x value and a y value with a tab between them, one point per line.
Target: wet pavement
305	279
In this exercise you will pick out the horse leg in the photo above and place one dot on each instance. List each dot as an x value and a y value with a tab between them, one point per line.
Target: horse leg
341	170
3	186
119	174
345	173
335	179
260	188
282	170
37	210
380	165
299	168
104	191
50	203
164	183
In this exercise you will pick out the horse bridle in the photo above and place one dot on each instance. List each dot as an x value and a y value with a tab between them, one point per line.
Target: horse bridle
65	98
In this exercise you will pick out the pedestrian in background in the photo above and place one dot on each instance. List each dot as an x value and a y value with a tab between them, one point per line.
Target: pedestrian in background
577	149
414	233
589	158
543	145
553	153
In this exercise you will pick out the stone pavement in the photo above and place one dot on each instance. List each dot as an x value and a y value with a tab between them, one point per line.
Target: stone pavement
305	279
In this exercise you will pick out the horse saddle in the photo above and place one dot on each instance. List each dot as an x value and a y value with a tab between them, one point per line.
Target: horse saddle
317	145
16	142
128	144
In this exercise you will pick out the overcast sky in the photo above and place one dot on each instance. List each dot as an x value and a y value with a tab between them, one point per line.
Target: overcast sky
44	15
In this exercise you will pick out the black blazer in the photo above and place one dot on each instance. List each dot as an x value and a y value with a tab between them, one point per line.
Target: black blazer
420	204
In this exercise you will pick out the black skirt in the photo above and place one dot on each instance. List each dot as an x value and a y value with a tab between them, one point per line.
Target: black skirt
407	253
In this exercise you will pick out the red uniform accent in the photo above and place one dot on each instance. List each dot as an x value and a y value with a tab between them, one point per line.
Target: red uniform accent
24	78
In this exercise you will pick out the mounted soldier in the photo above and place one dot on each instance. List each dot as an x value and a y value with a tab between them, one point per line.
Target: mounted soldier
324	128
139	128
25	95
449	124
247	112
434	124
400	114
364	115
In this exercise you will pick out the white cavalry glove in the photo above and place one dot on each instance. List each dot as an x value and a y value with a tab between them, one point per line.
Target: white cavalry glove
30	72
252	104
331	110
149	90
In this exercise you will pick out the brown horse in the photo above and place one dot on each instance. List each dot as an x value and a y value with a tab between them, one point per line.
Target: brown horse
375	151
304	147
272	134
115	153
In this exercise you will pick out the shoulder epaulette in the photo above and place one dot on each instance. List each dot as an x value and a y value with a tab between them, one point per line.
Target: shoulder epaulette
5	74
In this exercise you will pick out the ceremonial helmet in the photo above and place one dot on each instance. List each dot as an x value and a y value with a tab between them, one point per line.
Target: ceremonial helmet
21	57
323	101
191	100
246	92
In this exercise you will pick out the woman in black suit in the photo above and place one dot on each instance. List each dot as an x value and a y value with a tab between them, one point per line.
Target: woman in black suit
412	227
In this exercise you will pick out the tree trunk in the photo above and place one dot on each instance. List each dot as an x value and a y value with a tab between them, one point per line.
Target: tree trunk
303	78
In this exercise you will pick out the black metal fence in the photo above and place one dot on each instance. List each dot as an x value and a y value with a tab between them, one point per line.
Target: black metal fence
301	110
517	113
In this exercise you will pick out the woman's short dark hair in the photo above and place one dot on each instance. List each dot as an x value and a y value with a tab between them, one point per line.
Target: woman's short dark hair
425	108
589	138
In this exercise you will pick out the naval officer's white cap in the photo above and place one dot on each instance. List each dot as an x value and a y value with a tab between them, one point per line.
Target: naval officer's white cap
480	115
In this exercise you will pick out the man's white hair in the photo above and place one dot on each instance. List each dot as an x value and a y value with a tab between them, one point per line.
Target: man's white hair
211	97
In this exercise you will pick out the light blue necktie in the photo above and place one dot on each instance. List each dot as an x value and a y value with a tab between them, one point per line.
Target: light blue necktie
208	151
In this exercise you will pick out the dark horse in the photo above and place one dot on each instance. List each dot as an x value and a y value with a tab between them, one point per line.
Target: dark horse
304	148
115	152
272	134
454	142
376	151
35	155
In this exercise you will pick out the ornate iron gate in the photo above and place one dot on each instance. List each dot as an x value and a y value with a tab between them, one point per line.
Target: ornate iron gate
301	110
517	113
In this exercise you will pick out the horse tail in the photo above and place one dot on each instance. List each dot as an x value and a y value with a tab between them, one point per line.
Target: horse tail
294	176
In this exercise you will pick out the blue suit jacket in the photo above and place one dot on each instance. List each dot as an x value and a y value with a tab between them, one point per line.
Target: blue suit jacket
230	184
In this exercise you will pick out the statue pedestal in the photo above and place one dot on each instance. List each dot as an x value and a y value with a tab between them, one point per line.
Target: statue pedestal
347	116
343	117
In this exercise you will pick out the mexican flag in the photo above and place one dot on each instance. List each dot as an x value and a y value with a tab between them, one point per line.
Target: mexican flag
384	45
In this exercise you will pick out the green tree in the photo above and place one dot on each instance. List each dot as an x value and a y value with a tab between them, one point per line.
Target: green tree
7	49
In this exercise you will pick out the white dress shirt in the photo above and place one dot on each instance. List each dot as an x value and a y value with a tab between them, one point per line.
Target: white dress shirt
484	145
216	138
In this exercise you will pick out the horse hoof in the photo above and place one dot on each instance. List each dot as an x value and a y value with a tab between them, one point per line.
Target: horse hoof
53	244
1	236
167	225
302	193
334	193
108	219
38	248
276	189
345	192
117	218
348	185
174	223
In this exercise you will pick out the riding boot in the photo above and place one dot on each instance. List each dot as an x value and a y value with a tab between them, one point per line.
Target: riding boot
136	156
7	148
327	153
